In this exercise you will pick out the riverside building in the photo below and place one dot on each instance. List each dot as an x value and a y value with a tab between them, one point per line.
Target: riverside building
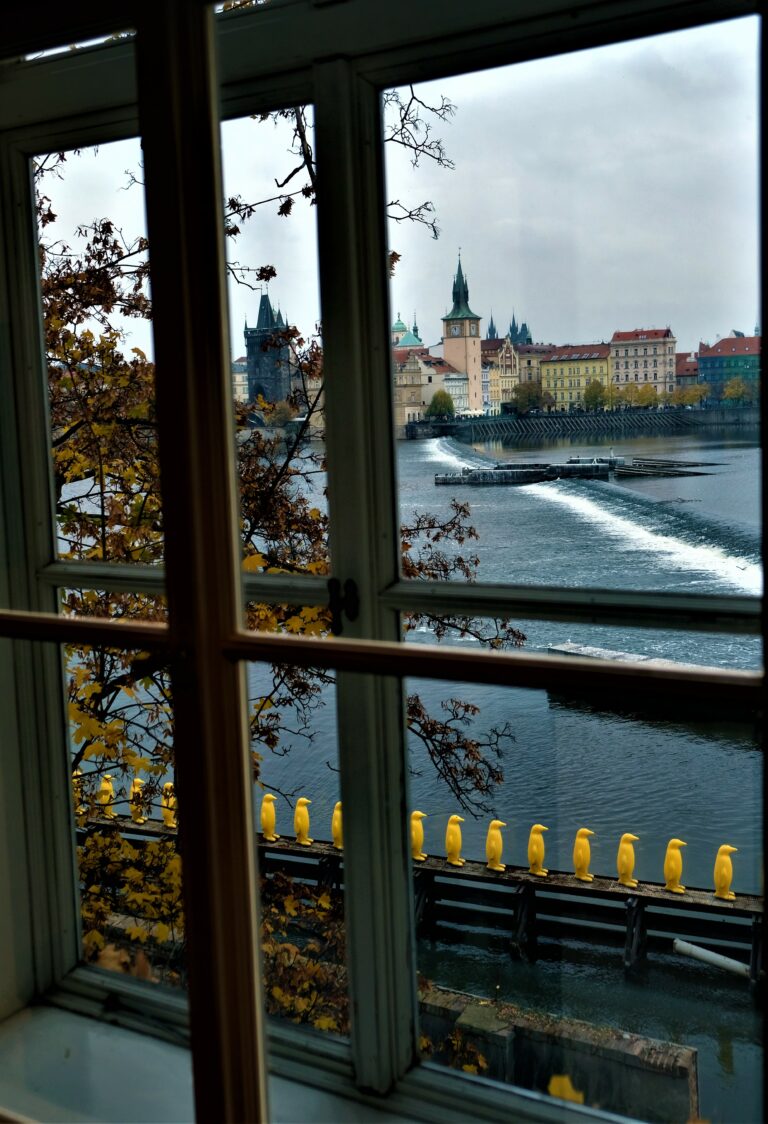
644	355
735	357
567	371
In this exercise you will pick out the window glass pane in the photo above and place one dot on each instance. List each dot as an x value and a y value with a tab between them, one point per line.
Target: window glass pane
96	312
537	979
276	347
292	720
122	761
581	265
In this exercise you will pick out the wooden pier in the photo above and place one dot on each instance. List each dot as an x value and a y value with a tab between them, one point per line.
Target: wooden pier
524	906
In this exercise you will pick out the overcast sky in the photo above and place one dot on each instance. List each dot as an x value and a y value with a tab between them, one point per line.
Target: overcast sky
604	190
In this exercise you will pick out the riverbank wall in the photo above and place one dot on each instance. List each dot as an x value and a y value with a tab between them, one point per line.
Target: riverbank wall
623	423
607	1068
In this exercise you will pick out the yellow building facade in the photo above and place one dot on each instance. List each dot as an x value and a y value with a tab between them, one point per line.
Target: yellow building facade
567	371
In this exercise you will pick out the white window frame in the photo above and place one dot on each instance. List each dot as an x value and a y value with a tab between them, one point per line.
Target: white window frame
338	57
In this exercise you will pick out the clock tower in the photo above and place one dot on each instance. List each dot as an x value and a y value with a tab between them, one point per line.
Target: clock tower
461	341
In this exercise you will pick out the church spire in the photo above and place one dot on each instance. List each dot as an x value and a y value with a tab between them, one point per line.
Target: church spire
492	333
461	309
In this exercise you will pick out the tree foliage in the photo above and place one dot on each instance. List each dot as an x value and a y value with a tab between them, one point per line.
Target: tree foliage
528	396
647	396
441	406
739	390
595	395
109	508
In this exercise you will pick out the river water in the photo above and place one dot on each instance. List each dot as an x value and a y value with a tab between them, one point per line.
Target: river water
611	769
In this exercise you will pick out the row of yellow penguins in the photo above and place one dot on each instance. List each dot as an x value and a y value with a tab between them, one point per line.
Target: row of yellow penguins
105	798
625	859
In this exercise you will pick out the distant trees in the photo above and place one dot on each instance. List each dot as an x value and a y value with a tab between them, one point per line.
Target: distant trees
739	390
690	395
647	396
527	396
628	395
441	406
595	395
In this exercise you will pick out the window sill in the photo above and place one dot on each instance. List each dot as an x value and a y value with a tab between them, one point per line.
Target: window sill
59	1066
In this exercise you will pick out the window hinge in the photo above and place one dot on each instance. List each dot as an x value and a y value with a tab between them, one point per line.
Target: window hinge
347	602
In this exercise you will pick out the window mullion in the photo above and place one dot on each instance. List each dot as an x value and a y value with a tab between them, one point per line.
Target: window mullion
177	105
41	798
362	507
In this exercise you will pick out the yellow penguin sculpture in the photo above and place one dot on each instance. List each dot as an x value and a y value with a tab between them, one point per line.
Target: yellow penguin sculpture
536	850
106	796
453	841
582	853
269	818
337	831
301	822
417	836
168	805
135	801
724	872
493	845
625	859
673	866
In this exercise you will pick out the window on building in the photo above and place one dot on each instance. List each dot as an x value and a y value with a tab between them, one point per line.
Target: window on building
217	620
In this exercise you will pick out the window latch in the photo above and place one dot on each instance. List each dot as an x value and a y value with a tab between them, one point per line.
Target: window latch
347	602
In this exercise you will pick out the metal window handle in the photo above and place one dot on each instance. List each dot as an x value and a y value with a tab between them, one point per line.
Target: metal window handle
347	602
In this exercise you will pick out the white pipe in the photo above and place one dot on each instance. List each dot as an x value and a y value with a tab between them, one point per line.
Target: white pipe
714	958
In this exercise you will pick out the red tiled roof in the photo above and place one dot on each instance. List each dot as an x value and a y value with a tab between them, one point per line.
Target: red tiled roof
533	348
732	345
401	353
490	345
686	364
642	334
576	351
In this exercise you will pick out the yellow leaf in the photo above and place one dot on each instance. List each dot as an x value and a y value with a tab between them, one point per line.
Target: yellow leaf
93	940
325	1022
290	906
560	1085
253	563
469	1068
324	901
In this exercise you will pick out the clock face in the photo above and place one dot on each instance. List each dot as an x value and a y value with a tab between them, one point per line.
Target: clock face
455	329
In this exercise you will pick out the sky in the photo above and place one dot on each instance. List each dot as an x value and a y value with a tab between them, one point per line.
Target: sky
604	190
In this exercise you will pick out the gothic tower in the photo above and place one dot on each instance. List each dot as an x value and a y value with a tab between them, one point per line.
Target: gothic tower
267	355
461	341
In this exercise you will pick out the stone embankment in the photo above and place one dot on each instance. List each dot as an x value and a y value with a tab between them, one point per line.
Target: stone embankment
623	423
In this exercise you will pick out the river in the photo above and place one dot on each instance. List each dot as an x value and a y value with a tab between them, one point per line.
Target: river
572	764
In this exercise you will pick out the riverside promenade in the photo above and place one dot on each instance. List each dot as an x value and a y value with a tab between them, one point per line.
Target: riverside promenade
618	423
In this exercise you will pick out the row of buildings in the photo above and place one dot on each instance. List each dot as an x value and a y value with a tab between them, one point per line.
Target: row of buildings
481	374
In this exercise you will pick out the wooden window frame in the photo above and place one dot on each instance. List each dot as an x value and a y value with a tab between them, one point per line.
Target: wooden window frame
338	57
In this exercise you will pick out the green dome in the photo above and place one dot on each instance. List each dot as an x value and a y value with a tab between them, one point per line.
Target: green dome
399	326
410	339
